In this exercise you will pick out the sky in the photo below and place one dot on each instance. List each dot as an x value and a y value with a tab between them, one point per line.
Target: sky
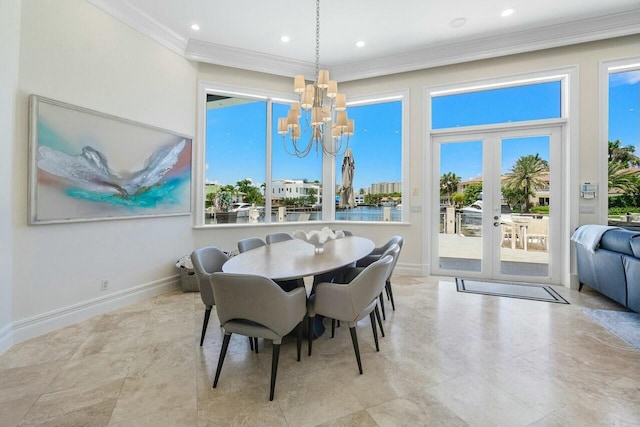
236	135
624	108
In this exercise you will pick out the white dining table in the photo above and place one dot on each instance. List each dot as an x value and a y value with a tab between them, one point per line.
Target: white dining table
293	259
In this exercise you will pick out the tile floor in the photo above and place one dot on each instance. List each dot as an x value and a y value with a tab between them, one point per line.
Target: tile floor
448	359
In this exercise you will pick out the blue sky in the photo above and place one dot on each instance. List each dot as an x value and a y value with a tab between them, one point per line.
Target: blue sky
624	108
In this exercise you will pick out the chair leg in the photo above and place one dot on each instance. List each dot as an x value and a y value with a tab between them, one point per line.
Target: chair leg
299	338
373	328
390	292
207	313
223	353
580	287
377	312
356	349
251	344
310	335
384	315
255	344
333	327
274	369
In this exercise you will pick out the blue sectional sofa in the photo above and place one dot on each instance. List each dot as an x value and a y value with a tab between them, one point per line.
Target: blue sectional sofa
609	262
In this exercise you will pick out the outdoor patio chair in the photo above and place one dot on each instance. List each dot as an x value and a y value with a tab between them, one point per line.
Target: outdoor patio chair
537	230
256	306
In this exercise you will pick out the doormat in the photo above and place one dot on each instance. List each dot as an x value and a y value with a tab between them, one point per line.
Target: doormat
510	290
623	324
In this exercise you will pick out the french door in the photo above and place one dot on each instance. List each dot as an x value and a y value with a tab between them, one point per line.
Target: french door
497	201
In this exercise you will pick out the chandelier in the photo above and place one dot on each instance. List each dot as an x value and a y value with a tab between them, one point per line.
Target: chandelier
322	109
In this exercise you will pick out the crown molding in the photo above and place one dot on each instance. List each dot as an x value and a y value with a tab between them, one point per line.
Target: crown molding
585	30
248	60
140	21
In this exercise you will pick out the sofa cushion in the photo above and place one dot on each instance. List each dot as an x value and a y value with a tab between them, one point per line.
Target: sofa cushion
635	246
632	273
619	240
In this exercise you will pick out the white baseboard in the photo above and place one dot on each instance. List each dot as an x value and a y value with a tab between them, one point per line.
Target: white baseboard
6	337
409	269
41	324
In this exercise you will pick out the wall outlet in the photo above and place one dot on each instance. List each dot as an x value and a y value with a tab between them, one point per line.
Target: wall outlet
104	284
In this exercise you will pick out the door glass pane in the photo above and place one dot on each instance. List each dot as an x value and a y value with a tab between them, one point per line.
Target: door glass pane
524	220
460	204
296	183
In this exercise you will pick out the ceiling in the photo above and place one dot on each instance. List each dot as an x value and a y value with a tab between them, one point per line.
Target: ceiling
399	35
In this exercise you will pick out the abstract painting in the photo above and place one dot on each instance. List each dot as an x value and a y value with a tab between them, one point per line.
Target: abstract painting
89	166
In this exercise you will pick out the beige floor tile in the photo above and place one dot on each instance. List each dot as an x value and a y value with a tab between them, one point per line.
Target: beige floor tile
180	416
418	410
249	406
155	391
480	403
94	369
54	408
356	419
314	398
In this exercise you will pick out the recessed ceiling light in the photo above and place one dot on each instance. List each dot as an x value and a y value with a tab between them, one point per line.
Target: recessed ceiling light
360	43
458	22
285	39
507	12
195	27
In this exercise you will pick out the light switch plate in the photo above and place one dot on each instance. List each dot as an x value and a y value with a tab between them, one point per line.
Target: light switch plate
587	209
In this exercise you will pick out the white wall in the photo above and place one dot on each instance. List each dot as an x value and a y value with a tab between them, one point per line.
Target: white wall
10	48
73	52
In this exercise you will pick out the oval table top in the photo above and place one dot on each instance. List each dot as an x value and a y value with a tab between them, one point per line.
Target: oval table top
296	258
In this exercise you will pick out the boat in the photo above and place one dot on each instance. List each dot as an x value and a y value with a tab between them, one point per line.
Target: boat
243	209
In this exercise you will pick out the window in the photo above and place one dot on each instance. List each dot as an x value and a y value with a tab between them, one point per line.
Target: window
623	138
235	158
377	153
490	106
249	170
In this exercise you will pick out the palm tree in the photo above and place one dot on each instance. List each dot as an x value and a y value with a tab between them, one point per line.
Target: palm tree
449	184
622	178
525	176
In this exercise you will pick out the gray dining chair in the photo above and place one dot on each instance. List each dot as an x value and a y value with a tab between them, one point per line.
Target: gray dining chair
207	261
250	243
278	237
351	273
256	306
376	254
352	301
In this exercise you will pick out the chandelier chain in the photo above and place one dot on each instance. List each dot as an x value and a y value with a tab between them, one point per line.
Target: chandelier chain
317	38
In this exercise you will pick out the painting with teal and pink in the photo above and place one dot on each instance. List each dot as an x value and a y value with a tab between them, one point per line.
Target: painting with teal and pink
90	166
